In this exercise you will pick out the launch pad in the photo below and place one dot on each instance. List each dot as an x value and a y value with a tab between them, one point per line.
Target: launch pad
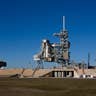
58	53
55	52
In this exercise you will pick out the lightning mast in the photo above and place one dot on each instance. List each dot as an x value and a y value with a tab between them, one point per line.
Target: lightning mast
64	27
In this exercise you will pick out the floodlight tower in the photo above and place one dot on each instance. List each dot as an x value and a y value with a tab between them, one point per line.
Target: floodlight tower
63	55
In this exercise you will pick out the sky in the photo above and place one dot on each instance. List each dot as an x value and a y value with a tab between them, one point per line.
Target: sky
24	23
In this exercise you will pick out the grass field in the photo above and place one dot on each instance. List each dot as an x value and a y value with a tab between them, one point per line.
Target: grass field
47	87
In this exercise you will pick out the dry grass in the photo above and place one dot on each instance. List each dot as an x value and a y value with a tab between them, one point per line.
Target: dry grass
47	87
